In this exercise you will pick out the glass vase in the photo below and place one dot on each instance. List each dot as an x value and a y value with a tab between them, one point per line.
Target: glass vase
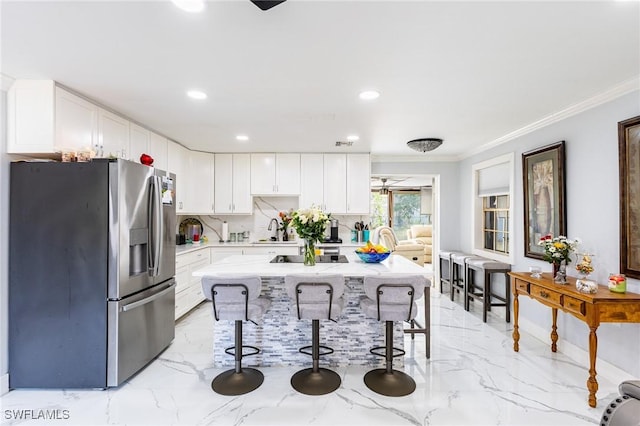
560	272
309	252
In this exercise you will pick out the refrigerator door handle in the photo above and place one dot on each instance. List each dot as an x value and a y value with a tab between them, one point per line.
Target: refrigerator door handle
133	305
155	225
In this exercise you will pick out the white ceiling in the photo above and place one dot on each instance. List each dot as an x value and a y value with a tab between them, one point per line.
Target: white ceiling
467	72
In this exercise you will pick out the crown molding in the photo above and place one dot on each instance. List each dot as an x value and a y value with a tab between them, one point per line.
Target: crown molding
5	82
615	92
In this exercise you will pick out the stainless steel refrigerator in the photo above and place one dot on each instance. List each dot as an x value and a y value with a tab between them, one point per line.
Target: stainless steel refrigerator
91	271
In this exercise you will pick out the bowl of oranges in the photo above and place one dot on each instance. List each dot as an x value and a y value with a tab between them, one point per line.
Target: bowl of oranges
372	253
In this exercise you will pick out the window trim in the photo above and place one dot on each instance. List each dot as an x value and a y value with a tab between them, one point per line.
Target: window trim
477	237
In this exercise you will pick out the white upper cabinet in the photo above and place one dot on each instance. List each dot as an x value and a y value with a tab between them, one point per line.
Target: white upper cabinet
177	163
200	183
158	150
138	142
311	180
43	118
76	121
113	135
337	183
30	117
275	174
232	184
358	184
335	178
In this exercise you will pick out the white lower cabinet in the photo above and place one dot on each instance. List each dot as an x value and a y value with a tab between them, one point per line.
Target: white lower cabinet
188	289
288	250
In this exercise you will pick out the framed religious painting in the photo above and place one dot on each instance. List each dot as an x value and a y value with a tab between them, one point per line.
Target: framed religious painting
544	202
629	153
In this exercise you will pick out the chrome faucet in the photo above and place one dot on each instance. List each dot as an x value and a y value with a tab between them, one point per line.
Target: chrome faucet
275	237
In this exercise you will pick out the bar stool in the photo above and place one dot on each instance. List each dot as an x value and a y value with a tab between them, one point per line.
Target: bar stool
459	272
389	299
445	256
485	293
315	298
236	298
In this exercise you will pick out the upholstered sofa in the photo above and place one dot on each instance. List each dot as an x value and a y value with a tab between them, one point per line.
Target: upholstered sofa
410	249
625	409
423	234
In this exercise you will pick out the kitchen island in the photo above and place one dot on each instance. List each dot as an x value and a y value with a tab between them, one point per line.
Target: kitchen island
280	334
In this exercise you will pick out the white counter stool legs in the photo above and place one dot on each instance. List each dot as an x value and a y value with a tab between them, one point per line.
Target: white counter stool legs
315	297
389	299
236	298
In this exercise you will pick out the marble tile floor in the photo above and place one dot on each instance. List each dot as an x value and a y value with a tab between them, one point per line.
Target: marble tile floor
472	378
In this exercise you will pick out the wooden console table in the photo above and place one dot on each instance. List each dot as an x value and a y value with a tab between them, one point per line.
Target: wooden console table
602	306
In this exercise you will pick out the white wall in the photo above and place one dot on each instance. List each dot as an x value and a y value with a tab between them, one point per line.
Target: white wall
591	143
4	241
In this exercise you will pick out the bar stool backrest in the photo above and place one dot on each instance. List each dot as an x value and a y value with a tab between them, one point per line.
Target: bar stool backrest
395	296
233	296
319	293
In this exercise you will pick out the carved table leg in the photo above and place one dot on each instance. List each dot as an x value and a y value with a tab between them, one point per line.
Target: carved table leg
516	307
592	383
554	329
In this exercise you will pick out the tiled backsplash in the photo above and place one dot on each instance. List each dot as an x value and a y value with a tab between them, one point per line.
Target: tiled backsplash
264	209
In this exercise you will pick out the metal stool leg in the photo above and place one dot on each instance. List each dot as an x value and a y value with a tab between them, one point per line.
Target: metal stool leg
315	380
238	380
387	381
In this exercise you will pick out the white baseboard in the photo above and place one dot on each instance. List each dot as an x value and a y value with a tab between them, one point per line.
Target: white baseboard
581	356
4	384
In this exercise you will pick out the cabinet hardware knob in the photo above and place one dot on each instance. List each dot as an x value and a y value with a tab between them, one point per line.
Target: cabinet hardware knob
544	294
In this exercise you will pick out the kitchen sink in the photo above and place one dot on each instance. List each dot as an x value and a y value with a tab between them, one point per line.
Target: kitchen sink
325	258
275	242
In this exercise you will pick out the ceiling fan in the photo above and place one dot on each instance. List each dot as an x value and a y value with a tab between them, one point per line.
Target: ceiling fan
267	4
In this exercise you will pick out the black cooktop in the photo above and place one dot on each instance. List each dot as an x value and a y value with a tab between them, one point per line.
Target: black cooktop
325	258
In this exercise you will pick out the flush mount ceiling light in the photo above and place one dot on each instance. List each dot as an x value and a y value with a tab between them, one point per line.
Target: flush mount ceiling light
353	138
196	94
369	95
192	6
424	144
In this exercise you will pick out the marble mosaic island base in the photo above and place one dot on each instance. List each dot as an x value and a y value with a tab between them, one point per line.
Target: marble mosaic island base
280	334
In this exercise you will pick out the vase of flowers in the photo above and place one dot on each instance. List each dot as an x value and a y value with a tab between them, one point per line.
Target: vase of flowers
310	225
557	250
285	220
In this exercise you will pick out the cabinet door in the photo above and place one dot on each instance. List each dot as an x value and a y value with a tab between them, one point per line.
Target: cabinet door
200	182
113	135
223	174
30	117
311	180
158	150
287	174
242	183
138	142
263	174
358	184
76	121
176	164
335	183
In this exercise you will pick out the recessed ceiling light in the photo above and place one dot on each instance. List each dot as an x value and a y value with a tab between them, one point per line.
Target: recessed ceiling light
242	138
369	95
353	138
196	94
192	6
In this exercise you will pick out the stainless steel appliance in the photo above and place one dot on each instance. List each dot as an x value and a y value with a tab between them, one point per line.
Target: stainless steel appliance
333	233
91	272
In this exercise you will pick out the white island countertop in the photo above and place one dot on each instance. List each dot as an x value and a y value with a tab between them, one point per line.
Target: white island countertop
356	268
